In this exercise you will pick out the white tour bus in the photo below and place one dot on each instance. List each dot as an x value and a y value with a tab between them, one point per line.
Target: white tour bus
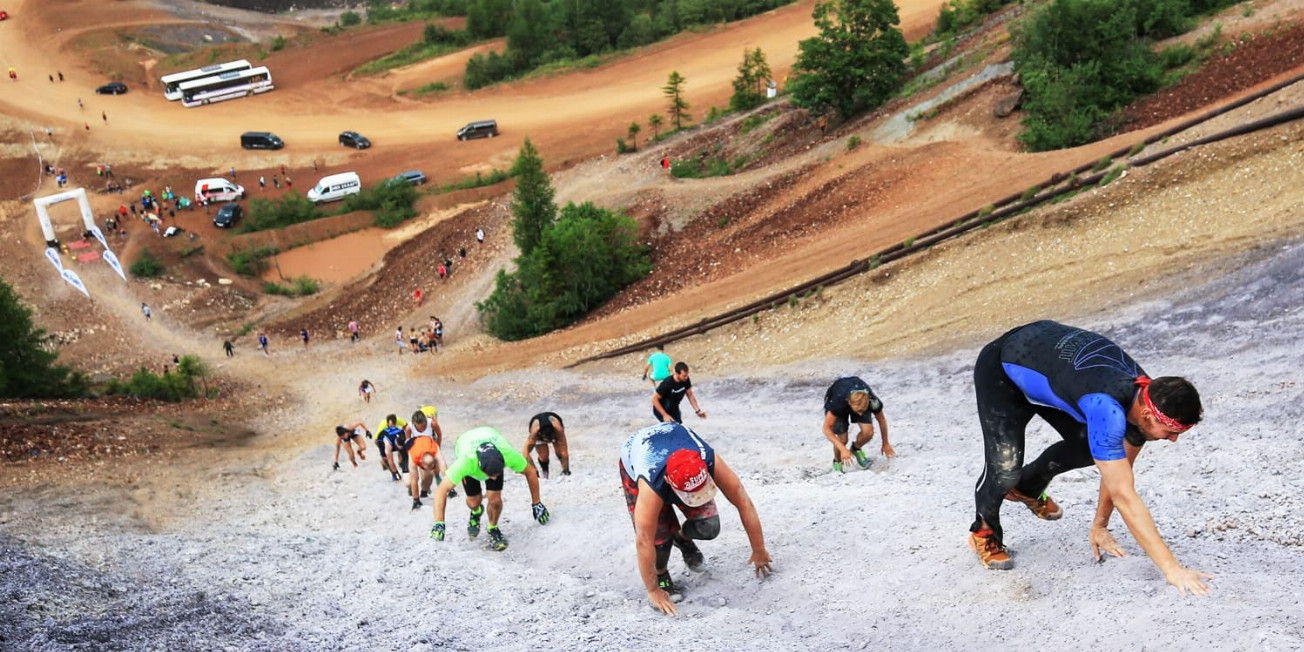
172	83
226	86
335	186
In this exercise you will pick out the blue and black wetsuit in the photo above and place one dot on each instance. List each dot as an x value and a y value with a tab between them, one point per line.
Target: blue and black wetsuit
1078	381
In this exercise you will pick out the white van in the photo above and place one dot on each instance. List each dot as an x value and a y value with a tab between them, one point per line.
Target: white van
217	190
335	186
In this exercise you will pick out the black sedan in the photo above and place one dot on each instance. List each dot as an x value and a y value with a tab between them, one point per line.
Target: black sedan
112	88
354	139
228	215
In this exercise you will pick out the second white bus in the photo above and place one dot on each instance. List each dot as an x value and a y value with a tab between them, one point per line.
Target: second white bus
172	83
226	86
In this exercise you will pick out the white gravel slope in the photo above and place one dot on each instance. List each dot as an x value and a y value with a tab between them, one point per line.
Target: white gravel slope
296	556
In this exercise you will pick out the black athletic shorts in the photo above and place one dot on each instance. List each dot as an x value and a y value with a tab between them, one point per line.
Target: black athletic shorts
843	423
472	486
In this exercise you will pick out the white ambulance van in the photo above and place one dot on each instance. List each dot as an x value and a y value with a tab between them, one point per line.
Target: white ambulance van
217	190
334	187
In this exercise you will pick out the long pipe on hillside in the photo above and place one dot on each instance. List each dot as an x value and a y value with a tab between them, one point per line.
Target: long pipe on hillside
1001	209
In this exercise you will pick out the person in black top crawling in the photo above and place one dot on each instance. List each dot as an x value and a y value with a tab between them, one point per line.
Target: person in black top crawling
547	428
671	392
850	398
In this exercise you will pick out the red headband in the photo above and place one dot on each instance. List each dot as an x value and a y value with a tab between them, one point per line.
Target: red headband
1169	422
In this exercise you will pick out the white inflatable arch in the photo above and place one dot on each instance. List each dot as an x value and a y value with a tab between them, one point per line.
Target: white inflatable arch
44	215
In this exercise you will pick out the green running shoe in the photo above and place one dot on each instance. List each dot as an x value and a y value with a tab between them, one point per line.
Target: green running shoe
473	526
861	458
837	467
666	584
497	539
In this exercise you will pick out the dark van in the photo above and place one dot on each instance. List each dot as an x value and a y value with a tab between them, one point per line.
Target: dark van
261	140
479	129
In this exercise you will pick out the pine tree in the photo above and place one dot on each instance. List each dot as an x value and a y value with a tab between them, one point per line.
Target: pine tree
674	91
533	210
749	85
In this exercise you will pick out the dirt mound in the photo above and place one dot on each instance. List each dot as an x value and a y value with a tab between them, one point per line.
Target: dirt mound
1244	63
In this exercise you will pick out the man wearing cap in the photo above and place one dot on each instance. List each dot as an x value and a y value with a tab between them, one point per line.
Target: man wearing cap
481	455
850	399
1105	408
547	428
671	392
669	465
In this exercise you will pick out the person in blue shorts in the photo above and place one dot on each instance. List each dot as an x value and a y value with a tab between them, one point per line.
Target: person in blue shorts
1104	406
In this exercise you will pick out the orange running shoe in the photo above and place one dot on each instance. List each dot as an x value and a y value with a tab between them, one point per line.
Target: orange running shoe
990	553
1042	506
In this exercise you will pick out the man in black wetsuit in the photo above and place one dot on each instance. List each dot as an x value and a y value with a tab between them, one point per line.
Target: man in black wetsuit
850	399
1103	405
547	428
671	392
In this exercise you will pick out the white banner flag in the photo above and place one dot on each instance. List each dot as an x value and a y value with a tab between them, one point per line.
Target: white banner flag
75	281
99	235
112	260
53	255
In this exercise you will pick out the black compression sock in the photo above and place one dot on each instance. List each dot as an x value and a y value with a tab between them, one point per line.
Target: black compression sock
543	464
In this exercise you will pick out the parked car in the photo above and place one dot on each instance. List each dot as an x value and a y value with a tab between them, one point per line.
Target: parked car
414	177
228	215
261	140
354	139
478	129
112	88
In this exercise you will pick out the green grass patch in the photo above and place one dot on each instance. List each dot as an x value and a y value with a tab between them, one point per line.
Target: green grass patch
406	56
251	261
426	89
147	265
302	286
710	166
751	122
480	180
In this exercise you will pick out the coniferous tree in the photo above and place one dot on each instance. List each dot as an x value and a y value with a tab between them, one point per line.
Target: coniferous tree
533	210
674	91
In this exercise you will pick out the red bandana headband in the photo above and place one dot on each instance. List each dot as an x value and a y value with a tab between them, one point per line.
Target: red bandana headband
1169	422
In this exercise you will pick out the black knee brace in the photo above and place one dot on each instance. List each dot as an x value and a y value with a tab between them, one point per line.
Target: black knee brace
663	555
702	529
